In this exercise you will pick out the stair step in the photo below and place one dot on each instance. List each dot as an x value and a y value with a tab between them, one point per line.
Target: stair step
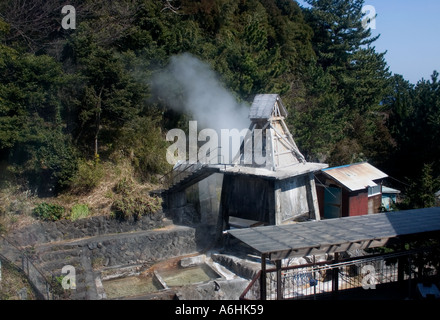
55	266
58	255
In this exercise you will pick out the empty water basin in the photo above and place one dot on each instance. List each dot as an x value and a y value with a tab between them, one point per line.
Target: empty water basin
161	277
130	286
189	275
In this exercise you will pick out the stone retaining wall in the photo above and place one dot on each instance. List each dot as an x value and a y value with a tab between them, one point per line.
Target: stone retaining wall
145	247
44	232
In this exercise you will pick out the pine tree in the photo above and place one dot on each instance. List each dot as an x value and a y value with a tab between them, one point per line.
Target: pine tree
338	31
359	74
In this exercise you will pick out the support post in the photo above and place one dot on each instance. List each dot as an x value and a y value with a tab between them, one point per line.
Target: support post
279	280
335	276
312	198
263	288
400	270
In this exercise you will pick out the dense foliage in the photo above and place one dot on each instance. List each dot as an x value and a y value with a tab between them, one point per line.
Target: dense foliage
72	98
48	212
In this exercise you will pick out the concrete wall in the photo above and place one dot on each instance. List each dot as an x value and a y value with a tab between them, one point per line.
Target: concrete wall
209	198
296	198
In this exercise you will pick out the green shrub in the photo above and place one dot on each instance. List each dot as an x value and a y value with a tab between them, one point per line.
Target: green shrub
48	212
142	141
79	211
87	177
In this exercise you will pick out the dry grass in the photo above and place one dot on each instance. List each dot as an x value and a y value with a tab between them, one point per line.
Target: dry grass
100	200
14	285
15	208
16	205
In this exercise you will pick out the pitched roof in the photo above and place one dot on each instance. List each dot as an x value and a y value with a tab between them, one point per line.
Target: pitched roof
263	106
356	176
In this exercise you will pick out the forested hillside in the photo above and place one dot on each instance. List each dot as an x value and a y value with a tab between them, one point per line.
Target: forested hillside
74	100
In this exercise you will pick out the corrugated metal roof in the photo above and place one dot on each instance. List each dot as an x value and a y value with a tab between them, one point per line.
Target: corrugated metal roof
262	106
337	235
356	176
389	190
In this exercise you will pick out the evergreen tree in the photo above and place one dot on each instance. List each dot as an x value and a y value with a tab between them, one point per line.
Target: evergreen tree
338	32
32	135
420	193
108	96
360	78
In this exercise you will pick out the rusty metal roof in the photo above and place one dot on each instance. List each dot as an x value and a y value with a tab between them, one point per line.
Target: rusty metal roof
339	234
356	176
263	104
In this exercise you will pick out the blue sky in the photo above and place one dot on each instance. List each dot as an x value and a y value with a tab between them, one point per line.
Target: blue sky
410	33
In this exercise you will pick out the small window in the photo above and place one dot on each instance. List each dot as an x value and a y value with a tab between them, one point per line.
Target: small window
373	190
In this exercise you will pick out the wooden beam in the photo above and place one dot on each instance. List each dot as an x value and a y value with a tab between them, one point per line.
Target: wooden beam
290	145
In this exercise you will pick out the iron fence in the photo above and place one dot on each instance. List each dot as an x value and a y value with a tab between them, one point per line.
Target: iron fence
11	253
322	279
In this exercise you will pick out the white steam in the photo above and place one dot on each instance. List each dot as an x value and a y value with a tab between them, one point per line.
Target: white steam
190	86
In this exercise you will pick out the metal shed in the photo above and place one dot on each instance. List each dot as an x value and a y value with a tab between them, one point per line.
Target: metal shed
350	190
357	176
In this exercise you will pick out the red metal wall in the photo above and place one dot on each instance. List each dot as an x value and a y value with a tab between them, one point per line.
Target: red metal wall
352	203
358	203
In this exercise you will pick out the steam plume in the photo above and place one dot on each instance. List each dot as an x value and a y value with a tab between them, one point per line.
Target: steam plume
191	86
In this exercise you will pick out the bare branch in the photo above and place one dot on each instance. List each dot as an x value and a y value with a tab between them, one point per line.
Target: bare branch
32	21
169	6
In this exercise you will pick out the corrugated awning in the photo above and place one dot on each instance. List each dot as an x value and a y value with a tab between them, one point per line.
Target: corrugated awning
356	176
338	235
389	190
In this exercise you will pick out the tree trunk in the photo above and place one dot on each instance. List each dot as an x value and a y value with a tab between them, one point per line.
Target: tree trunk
98	121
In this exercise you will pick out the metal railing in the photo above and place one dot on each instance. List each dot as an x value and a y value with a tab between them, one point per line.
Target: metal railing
15	256
321	279
186	168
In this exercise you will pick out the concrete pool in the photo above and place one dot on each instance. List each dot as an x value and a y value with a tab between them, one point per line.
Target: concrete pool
130	286
189	271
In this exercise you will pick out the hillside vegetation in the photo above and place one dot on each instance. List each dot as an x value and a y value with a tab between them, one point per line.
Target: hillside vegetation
78	114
